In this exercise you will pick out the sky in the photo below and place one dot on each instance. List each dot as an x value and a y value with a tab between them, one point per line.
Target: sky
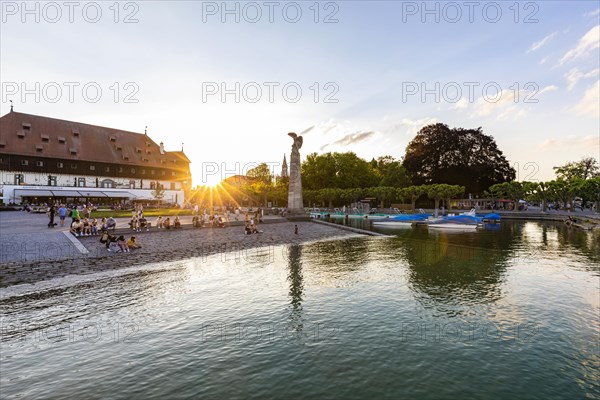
229	80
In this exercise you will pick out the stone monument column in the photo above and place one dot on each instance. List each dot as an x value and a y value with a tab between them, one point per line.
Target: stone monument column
295	204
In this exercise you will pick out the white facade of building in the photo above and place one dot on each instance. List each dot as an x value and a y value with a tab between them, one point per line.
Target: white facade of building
14	185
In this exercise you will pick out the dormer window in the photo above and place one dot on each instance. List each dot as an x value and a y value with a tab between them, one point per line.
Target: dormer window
75	132
45	138
148	144
118	147
21	134
73	151
39	148
125	158
2	145
61	139
138	150
145	159
113	139
26	126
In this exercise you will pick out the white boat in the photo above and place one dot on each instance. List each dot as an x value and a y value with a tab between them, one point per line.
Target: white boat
317	213
464	221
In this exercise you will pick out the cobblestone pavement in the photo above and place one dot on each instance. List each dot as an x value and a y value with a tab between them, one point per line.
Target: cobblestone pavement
161	245
26	237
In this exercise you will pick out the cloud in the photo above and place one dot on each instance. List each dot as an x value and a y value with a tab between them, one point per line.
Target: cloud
462	104
485	106
537	45
589	42
589	141
590	102
594	13
574	76
505	103
549	88
408	126
304	132
351	138
513	113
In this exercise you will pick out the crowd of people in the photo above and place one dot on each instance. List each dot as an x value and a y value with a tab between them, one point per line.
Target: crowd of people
82	224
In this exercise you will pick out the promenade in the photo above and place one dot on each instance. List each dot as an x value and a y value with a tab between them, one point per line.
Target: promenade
32	252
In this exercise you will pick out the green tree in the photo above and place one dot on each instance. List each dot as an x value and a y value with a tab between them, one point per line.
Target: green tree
590	190
559	191
442	191
337	170
411	193
465	157
384	194
261	173
585	168
391	172
508	190
451	192
159	192
537	192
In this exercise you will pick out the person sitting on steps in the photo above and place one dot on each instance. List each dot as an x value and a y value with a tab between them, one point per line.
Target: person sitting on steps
76	228
122	244
133	244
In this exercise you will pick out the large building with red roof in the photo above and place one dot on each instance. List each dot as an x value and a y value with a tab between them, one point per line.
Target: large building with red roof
46	159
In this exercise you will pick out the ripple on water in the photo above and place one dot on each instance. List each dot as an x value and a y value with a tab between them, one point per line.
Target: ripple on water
419	315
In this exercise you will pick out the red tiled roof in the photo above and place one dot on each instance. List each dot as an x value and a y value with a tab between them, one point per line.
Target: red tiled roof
75	140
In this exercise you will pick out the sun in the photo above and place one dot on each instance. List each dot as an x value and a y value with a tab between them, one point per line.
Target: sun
210	180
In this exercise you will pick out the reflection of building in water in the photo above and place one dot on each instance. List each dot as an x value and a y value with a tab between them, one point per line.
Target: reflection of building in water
296	280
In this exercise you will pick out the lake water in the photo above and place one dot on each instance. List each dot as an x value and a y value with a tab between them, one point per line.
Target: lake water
510	312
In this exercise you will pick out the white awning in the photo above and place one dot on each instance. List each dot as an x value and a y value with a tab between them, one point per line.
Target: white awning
33	193
118	194
66	193
92	194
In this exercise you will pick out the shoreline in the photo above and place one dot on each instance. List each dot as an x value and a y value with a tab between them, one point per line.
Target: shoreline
167	246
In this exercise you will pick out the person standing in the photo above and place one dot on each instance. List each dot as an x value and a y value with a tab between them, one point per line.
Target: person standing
51	214
62	214
74	214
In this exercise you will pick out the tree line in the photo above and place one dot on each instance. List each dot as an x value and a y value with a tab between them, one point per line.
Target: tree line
440	163
574	180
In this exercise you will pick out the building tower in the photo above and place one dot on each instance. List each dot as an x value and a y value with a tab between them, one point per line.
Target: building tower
284	168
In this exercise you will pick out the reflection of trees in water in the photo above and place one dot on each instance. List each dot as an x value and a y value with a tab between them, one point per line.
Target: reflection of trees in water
458	268
585	242
337	257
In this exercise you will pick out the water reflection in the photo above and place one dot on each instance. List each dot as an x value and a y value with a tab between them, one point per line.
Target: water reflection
296	281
